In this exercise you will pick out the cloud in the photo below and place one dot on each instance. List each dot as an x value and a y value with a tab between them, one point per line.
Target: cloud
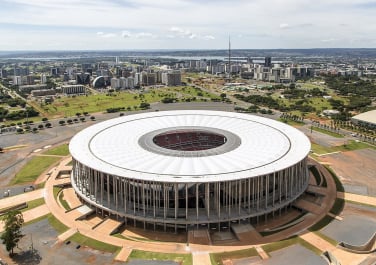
140	35
284	26
144	35
106	35
186	33
126	34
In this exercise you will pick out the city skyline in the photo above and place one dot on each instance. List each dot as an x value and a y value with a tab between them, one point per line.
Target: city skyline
185	24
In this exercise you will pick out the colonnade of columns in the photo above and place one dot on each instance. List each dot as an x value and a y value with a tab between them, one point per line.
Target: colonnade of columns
185	204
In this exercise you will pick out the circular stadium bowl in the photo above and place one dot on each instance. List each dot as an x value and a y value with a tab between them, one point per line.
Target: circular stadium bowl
184	168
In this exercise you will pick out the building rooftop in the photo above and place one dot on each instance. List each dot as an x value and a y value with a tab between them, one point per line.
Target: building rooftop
256	146
369	116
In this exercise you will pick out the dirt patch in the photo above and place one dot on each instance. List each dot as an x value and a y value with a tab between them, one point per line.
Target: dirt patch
355	168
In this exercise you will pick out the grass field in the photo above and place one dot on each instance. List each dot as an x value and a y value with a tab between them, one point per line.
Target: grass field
184	259
69	106
31	171
348	146
56	224
33	204
92	243
61	150
333	134
291	122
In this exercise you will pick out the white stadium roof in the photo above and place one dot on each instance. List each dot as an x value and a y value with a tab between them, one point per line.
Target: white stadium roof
113	147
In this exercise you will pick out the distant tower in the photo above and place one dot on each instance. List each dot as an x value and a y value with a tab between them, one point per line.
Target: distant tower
268	61
229	59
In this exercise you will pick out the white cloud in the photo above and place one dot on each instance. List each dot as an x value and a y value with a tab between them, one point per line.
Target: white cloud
140	35
144	35
186	33
126	34
284	26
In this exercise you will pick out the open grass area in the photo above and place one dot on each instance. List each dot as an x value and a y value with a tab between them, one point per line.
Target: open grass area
56	224
61	150
291	122
347	146
63	202
333	134
33	204
92	243
31	171
184	259
69	106
216	258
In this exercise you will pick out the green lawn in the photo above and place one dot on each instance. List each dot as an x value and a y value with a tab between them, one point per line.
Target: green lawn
33	204
56	224
291	122
69	106
333	134
348	146
63	202
31	171
184	259
92	243
61	150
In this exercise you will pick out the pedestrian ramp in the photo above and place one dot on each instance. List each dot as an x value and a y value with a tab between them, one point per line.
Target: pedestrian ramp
80	212
246	233
308	206
109	226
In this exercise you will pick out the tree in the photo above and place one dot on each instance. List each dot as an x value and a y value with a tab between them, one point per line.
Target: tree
62	122
82	119
45	119
92	118
13	221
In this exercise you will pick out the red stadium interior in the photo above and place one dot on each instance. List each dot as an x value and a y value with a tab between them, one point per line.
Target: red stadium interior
189	140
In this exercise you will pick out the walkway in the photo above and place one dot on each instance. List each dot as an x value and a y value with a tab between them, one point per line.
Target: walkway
357	198
18	199
31	214
344	257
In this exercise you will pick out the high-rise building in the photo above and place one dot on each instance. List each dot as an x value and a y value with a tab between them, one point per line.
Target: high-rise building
17	80
172	78
83	78
268	61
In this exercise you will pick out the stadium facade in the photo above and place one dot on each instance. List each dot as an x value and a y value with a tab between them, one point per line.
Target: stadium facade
185	168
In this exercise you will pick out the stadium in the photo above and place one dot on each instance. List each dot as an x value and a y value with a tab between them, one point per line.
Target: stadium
181	169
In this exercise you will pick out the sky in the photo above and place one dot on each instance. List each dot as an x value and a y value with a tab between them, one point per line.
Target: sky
186	24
